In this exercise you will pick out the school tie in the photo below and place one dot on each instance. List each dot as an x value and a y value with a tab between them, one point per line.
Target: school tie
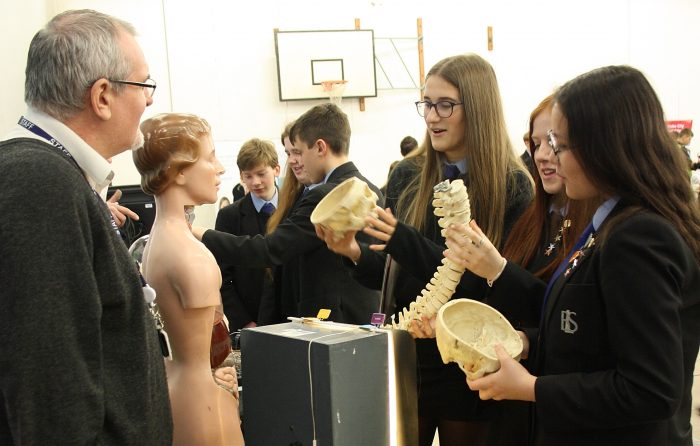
562	266
267	209
450	172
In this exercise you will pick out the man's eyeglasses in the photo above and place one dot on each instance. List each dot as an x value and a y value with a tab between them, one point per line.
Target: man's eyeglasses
149	85
552	141
443	109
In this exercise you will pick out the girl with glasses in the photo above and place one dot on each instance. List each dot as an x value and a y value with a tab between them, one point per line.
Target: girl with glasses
612	362
465	130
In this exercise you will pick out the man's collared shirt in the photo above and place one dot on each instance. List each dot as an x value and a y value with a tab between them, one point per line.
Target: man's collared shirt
96	169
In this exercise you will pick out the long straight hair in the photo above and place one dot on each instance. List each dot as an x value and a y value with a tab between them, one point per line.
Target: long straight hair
618	135
288	192
528	234
287	196
490	156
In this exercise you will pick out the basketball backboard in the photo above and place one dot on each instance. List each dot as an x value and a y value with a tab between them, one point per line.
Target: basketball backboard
305	59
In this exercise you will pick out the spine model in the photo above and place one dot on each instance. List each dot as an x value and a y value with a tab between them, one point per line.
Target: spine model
451	204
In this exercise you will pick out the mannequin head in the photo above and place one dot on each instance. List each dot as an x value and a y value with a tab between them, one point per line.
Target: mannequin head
172	142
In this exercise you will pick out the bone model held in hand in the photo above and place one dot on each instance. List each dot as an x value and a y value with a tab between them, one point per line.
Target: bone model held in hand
451	204
466	332
345	207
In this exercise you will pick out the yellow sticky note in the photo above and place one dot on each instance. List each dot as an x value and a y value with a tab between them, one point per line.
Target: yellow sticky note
323	313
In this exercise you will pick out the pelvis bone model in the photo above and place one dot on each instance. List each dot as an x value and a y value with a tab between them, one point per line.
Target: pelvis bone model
345	207
466	332
451	203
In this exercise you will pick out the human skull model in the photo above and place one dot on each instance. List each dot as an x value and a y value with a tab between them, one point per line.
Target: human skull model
345	207
451	203
467	332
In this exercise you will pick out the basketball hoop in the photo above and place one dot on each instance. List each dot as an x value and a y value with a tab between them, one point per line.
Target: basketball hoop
335	90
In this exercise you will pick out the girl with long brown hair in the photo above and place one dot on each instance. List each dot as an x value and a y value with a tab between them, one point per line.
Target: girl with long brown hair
612	361
466	138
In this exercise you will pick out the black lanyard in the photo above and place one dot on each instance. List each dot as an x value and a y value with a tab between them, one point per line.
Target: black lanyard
29	125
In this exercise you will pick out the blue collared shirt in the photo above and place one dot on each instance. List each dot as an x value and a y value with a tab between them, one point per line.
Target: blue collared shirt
259	202
561	211
328	175
461	165
325	180
603	211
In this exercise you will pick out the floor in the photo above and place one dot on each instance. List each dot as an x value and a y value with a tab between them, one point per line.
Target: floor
694	419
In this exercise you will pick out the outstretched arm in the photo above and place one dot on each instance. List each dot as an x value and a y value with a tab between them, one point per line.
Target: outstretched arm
346	245
293	237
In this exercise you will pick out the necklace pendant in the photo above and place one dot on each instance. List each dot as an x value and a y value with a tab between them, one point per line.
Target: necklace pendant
549	250
590	242
573	262
557	238
571	267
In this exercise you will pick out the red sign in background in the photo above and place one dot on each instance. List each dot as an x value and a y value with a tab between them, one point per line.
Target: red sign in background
677	126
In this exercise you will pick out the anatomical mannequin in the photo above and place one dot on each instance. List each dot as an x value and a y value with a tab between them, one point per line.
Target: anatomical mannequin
179	167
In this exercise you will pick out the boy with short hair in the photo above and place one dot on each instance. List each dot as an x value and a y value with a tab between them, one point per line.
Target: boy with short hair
242	287
318	277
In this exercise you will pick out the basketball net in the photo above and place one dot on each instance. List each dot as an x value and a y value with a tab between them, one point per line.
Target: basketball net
335	90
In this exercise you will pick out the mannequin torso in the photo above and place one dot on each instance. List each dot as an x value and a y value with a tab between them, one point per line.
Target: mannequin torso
187	280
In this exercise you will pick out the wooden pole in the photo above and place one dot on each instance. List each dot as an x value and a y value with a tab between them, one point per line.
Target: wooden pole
362	100
421	65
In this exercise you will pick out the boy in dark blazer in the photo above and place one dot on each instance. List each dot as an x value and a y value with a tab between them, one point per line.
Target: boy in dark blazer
321	138
242	286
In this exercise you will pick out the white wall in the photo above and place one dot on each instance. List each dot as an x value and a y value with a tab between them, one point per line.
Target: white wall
220	59
18	25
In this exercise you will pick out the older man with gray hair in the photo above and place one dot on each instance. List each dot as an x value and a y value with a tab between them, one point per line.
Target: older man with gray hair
80	360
